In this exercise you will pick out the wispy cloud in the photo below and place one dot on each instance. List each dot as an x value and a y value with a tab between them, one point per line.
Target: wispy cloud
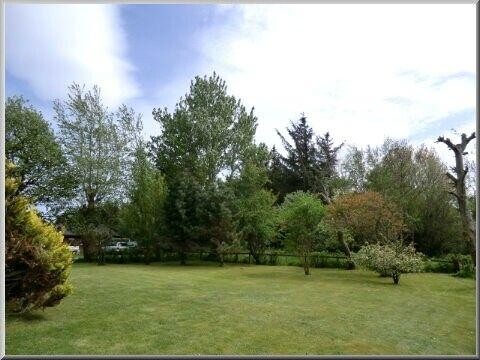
362	72
51	46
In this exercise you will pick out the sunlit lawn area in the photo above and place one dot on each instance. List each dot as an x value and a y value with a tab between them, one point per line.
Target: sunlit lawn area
247	309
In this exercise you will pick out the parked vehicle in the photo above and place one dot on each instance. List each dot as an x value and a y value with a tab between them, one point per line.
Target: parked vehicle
132	244
116	246
122	245
74	249
110	247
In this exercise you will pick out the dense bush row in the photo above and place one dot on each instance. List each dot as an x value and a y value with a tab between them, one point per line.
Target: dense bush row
319	259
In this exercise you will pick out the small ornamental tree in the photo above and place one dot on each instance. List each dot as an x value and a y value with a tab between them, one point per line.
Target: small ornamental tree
37	261
255	213
301	215
366	217
257	222
392	259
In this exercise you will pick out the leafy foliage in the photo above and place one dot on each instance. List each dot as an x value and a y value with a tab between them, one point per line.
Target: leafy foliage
97	237
217	225
204	142
355	169
142	218
31	145
98	144
255	214
300	164
415	180
301	215
367	217
181	219
309	165
327	154
88	222
37	261
391	259
208	133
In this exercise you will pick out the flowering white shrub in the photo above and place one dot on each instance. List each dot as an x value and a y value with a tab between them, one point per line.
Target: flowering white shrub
390	259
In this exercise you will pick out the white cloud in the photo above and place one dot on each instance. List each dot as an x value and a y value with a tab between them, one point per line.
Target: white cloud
51	46
362	72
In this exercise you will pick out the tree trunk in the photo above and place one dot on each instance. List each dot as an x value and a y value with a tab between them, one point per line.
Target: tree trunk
306	267
87	253
220	258
158	255
90	200
468	225
341	240
183	258
101	257
146	256
396	278
256	258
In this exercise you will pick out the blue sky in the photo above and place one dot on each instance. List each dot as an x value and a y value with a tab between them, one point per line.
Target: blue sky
160	39
362	72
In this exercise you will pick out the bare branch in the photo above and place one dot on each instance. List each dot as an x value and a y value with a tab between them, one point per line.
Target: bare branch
453	193
447	141
451	177
465	140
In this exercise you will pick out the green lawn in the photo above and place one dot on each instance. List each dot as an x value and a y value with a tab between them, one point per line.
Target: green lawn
242	309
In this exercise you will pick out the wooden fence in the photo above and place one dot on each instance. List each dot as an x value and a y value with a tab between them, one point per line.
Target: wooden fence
319	260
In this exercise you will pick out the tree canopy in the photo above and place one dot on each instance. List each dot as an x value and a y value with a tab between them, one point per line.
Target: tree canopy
97	144
40	163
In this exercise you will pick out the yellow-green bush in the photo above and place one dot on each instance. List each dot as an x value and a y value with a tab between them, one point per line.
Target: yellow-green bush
37	262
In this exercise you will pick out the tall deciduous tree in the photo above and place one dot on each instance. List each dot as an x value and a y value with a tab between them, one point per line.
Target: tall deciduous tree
31	145
460	194
98	145
206	139
355	169
209	133
414	179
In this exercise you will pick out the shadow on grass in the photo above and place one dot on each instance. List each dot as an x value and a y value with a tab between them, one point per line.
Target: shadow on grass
340	276
188	264
26	317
